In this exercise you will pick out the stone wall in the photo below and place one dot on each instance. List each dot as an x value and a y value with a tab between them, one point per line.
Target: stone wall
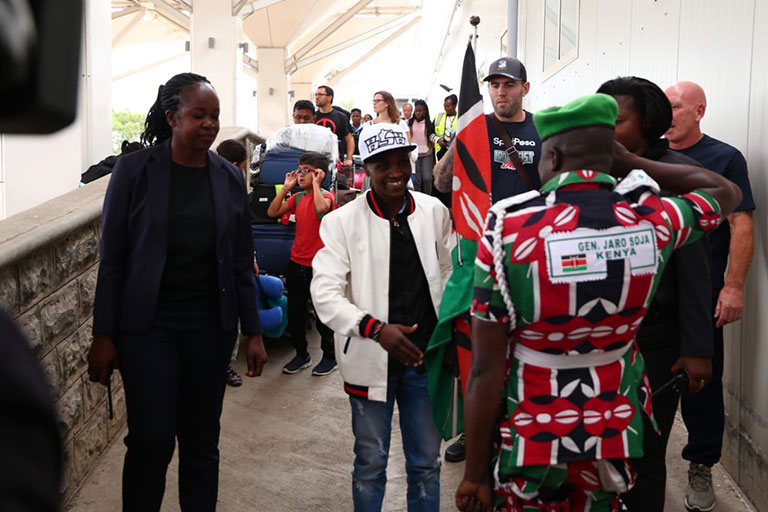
48	266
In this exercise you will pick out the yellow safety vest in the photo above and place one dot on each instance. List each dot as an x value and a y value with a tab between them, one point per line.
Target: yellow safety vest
440	122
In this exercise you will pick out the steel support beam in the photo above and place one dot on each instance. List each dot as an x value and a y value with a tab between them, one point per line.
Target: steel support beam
398	22
336	78
387	11
326	33
138	14
172	14
252	5
251	63
127	11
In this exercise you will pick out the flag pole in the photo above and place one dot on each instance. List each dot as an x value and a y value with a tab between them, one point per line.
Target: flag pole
474	21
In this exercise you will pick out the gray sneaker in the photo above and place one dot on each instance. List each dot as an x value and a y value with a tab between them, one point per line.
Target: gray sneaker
701	494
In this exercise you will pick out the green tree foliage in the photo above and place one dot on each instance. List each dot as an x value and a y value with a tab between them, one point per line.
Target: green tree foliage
126	125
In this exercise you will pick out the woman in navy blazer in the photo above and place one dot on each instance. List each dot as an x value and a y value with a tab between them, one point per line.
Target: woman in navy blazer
175	276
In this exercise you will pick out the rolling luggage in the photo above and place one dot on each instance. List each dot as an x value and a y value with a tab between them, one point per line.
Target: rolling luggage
272	246
272	238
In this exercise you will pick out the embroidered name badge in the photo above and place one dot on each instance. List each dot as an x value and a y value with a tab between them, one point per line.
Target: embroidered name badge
582	254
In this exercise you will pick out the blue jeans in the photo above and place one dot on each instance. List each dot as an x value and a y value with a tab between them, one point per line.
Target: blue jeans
372	426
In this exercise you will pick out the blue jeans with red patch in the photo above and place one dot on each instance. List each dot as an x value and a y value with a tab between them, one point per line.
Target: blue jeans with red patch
372	426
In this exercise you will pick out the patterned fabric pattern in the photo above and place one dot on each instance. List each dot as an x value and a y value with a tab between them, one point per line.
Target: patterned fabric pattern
575	487
575	269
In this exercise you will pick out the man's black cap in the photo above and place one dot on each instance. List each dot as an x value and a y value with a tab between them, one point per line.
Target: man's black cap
509	67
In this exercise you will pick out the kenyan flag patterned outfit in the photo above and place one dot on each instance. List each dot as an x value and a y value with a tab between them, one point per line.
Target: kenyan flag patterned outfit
582	259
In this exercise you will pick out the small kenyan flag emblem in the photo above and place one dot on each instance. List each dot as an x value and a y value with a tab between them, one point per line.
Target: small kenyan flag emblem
574	262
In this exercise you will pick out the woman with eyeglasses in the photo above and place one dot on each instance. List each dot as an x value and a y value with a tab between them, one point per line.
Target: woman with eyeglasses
387	112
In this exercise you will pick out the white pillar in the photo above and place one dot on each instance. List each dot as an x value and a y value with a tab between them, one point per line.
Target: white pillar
96	88
272	90
215	36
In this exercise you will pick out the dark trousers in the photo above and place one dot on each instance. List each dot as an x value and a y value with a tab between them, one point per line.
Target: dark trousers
174	387
444	197
704	412
648	493
298	279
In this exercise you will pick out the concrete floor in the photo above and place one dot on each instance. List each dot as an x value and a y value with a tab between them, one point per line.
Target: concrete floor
286	445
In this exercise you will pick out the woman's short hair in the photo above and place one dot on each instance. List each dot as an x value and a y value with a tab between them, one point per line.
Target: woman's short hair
650	102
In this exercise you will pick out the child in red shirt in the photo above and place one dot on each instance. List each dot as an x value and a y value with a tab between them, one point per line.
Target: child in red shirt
308	206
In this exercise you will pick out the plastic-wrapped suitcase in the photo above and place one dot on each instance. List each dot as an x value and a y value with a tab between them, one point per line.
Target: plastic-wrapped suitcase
272	246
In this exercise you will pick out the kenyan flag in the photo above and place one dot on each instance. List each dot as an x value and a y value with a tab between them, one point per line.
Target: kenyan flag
449	351
574	262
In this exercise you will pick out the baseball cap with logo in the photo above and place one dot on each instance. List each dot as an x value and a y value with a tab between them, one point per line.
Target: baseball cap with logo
380	137
509	67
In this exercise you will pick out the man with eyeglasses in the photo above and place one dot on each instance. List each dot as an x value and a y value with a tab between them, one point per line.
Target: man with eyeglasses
335	121
303	112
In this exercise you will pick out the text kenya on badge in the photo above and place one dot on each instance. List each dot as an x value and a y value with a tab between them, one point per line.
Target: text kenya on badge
582	254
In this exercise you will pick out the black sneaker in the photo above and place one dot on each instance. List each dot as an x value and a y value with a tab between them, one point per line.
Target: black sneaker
457	451
325	367
297	363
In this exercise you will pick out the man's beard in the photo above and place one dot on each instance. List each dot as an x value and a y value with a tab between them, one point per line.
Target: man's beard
513	107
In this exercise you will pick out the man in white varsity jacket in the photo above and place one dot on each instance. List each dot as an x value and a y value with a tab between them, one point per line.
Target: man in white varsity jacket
377	284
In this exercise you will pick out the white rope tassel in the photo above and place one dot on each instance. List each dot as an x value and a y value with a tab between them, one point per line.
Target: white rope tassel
498	264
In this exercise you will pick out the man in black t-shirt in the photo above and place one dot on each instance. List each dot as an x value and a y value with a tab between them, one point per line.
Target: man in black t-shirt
335	121
730	245
507	86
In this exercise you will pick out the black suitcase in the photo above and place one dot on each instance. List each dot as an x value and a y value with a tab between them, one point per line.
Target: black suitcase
259	200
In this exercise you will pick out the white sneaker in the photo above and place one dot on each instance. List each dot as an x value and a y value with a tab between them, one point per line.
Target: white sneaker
701	494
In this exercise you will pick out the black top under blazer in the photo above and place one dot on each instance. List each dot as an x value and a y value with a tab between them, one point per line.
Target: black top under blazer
134	243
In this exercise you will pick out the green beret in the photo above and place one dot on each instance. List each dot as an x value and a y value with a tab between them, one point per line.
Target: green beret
592	110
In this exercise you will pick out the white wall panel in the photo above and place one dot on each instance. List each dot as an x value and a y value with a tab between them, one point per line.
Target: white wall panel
653	40
715	51
613	29
754	381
